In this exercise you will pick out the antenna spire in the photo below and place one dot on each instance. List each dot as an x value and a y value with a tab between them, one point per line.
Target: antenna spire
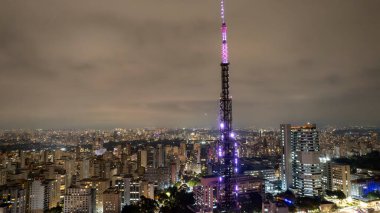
224	35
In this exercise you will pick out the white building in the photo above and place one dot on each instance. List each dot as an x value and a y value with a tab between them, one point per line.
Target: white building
301	168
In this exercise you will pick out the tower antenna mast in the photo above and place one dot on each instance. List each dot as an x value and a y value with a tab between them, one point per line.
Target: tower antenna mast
227	146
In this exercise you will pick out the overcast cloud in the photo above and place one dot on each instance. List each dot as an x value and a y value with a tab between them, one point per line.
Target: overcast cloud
139	63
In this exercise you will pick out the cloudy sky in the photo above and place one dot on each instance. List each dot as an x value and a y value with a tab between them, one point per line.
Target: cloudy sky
145	63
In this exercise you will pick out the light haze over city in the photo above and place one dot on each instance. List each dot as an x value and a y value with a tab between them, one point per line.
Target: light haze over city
96	64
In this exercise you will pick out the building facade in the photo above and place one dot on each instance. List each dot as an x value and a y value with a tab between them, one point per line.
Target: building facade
301	170
79	200
341	178
112	201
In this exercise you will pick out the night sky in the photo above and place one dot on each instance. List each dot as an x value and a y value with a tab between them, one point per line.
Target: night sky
136	63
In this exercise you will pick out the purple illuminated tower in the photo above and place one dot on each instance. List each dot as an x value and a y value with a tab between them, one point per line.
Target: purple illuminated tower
227	144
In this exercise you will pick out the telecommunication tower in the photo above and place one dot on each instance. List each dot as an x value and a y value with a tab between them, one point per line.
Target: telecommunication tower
227	146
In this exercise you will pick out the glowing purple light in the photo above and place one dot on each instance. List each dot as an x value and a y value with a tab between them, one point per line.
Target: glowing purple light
222	10
232	135
235	144
225	52
236	188
222	125
220	179
236	170
236	161
224	32
224	36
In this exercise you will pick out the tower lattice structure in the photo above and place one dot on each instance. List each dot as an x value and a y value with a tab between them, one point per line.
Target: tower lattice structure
227	146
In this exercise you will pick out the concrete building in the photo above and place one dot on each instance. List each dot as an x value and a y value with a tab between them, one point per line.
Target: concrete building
52	193
341	178
301	169
274	207
286	165
86	168
173	173
112	201
3	176
161	156
147	189
37	196
100	185
326	173
142	159
131	191
79	200
152	161
15	196
206	194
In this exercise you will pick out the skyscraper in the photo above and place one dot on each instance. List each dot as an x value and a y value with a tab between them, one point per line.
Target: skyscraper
301	169
286	166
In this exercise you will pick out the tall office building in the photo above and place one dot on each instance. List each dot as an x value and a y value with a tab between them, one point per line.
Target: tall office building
286	165
301	169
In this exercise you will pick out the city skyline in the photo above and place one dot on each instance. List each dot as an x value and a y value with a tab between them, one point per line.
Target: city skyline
100	65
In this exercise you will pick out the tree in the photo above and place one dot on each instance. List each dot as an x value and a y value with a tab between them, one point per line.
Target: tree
147	205
338	194
131	209
251	203
174	200
373	195
309	203
144	205
57	209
